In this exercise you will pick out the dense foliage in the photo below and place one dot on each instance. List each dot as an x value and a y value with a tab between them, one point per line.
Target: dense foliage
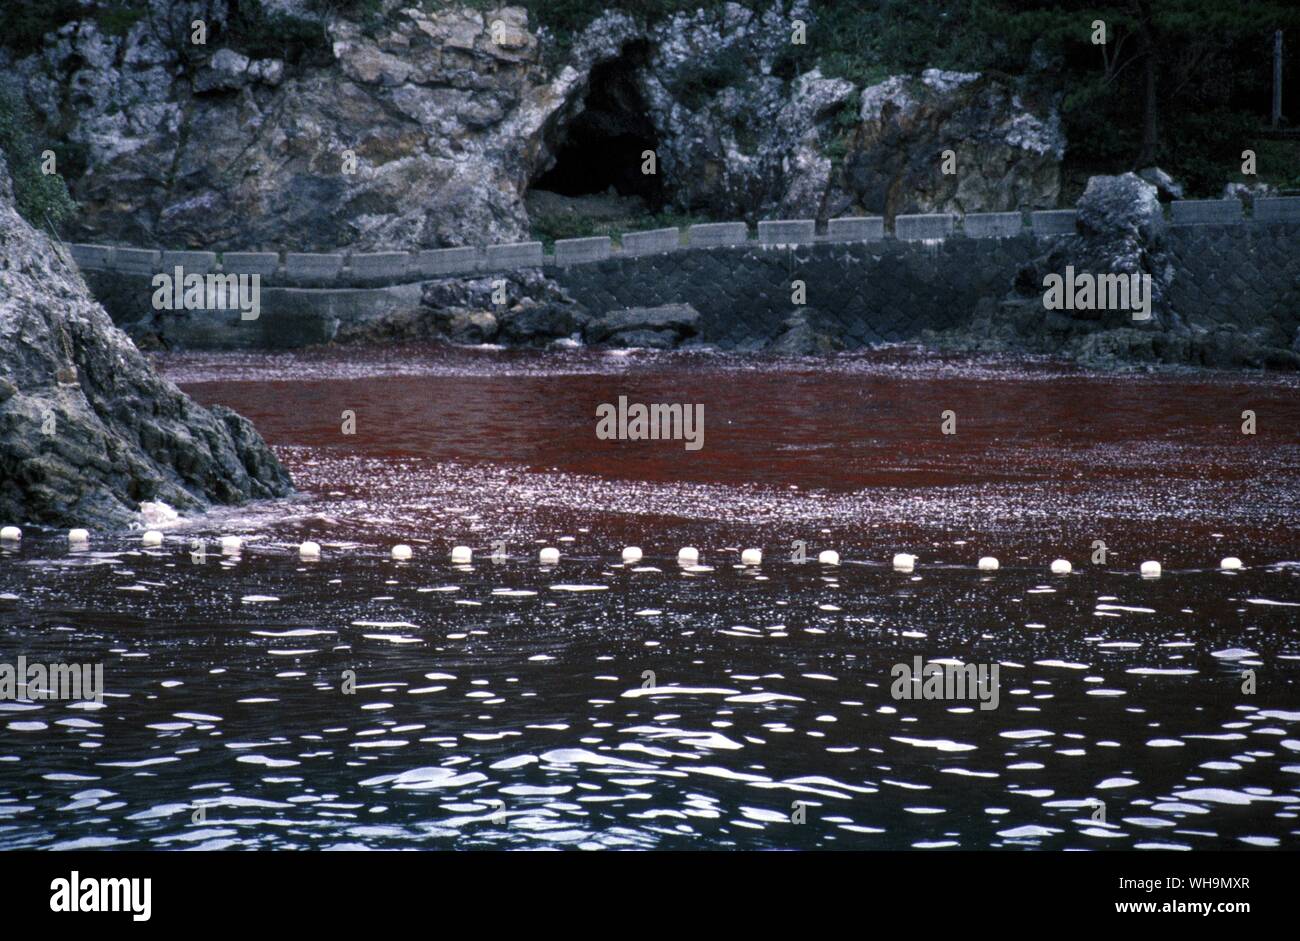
1185	84
42	199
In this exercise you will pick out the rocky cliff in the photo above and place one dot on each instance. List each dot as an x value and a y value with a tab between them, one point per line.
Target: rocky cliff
88	430
428	128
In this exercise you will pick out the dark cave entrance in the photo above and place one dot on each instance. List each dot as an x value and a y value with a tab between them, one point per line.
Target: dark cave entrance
602	146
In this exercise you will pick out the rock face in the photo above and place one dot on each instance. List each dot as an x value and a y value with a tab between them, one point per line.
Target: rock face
807	333
736	139
427	129
88	430
422	132
1168	188
1120	232
535	311
656	328
1006	155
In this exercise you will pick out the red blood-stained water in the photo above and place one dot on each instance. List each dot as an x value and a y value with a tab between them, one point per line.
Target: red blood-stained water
597	704
1044	458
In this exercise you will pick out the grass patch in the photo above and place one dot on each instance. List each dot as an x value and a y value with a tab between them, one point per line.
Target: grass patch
548	228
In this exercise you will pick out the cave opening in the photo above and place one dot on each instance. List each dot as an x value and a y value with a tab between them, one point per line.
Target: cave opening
602	147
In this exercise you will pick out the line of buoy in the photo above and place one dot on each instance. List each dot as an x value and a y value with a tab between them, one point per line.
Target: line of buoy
687	555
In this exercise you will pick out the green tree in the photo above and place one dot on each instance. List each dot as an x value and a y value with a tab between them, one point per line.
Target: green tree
1164	68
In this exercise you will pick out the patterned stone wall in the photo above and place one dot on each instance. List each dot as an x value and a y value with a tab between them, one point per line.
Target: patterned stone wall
930	273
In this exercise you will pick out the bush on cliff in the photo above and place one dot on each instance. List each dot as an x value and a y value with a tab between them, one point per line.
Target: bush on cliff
42	199
28	21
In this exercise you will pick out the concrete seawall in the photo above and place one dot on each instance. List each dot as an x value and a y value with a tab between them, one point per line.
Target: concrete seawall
1232	268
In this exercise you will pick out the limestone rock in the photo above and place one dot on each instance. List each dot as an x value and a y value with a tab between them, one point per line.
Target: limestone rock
472	327
1166	187
227	70
1122	206
1007	149
660	327
446	115
1248	194
538	323
427	128
806	334
537	311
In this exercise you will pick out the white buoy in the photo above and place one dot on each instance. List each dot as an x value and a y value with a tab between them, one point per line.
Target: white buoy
904	562
78	537
1230	564
1150	570
549	556
751	557
152	538
688	555
401	552
462	555
230	545
11	534
988	564
309	550
828	557
1062	567
632	554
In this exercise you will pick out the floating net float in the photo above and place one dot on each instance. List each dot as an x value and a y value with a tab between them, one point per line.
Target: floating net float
687	556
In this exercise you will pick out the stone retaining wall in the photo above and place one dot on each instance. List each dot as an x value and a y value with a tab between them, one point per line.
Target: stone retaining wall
1233	267
348	269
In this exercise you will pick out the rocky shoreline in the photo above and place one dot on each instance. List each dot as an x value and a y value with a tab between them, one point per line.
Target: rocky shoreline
88	430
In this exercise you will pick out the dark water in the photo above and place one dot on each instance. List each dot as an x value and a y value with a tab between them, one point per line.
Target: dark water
506	704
